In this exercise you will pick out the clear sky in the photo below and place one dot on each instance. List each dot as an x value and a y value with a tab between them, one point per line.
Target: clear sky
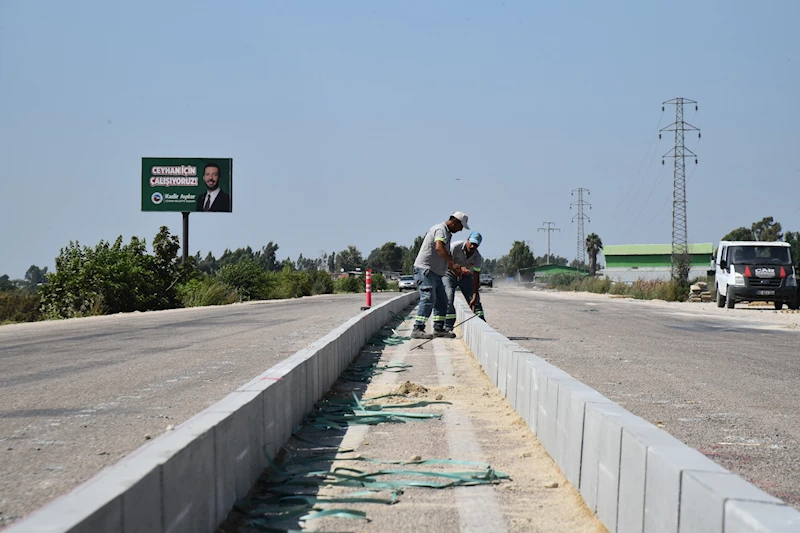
362	122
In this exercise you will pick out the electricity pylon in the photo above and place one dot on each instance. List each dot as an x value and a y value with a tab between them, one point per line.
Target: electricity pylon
681	262
548	229
581	257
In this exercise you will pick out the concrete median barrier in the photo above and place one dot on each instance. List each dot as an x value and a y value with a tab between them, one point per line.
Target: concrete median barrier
636	477
187	480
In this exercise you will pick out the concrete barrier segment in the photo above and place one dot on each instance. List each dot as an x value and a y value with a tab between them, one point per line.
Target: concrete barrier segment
485	346
505	361
273	421
526	389
239	447
666	466
547	412
573	397
512	367
756	517
600	459
491	346
704	495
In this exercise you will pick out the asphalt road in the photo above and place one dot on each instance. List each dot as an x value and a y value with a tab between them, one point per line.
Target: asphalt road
77	395
722	381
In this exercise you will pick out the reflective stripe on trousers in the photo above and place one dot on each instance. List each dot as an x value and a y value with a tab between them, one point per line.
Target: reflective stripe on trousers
431	296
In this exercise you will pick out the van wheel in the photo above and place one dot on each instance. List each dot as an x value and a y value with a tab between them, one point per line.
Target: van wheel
778	305
794	306
720	299
730	301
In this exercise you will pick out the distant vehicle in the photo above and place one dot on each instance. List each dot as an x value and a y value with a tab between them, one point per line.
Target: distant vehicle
749	271
487	280
407	283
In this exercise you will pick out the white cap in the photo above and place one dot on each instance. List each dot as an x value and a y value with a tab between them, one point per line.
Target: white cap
462	217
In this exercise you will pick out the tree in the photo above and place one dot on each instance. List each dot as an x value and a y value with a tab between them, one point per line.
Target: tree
306	264
6	284
332	262
793	238
411	255
167	269
501	266
207	265
766	230
520	259
375	261
287	265
580	265
349	259
35	276
593	247
266	257
392	256
739	234
387	257
552	260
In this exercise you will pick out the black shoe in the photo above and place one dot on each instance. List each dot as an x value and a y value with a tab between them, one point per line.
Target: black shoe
420	334
443	334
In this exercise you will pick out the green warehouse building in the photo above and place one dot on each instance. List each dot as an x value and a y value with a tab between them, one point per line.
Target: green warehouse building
630	262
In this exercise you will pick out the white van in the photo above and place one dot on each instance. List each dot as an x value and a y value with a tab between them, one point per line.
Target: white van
749	271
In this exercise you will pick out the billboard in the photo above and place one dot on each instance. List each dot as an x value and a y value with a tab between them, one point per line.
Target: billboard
187	184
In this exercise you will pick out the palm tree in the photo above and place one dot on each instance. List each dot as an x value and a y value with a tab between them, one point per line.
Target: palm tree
593	247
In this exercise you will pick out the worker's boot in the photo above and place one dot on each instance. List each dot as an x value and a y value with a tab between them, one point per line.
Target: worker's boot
418	333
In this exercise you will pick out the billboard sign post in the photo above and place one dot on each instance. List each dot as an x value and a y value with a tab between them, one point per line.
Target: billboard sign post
187	185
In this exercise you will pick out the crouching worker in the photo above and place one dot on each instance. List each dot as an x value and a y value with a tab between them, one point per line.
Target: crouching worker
464	253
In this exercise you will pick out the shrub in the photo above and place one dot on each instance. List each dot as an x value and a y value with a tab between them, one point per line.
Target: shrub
204	291
19	306
249	279
564	280
379	282
596	285
670	291
618	288
321	282
393	286
350	284
113	278
292	284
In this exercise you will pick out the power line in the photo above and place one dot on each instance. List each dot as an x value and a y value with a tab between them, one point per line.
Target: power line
644	204
581	256
680	245
548	229
639	171
657	212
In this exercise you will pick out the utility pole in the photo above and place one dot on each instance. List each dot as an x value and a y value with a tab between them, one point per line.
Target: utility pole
581	257
680	243
548	229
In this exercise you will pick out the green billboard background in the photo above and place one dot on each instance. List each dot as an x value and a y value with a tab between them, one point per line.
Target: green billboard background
176	183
